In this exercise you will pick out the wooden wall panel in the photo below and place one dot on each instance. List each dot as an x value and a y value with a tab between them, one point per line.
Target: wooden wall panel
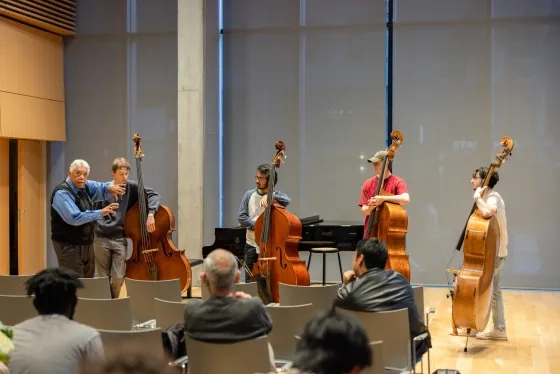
32	204
26	117
4	206
31	61
57	16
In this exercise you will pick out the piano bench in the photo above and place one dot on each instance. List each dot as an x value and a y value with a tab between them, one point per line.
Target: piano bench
325	251
193	262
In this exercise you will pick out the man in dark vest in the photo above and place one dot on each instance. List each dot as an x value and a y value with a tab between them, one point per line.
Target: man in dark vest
73	219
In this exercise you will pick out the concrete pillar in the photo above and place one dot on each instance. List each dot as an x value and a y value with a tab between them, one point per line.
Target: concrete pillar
190	133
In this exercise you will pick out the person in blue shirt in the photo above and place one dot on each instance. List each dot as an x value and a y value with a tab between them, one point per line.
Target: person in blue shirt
73	219
253	204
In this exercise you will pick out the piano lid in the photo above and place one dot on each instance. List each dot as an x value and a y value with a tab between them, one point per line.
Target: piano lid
311	220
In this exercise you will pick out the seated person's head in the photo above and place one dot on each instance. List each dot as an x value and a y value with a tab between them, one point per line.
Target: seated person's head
220	273
54	291
333	344
131	359
370	253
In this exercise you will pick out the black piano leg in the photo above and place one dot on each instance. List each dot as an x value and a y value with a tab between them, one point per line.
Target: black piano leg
340	267
324	269
309	260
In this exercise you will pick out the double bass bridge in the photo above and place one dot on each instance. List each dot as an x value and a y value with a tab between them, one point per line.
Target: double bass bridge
150	250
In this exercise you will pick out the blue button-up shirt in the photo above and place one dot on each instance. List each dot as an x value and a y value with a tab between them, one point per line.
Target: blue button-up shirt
65	205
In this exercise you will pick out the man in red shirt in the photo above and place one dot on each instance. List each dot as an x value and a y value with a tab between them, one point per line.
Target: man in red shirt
393	185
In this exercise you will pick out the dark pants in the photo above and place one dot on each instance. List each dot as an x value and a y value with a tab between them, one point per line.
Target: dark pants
251	257
79	258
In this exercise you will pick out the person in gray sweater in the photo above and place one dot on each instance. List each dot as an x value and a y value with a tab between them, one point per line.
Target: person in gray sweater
110	245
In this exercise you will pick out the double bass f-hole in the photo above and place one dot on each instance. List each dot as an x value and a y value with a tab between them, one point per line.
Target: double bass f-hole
283	264
167	254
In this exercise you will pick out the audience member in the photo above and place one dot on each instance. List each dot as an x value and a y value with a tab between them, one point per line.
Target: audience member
52	342
332	344
370	288
132	359
226	316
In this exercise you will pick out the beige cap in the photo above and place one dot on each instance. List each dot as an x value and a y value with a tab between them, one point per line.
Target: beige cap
379	156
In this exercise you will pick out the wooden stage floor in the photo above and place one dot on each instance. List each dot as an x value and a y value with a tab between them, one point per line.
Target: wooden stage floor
533	328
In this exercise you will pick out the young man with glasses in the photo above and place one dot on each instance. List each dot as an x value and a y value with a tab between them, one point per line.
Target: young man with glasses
253	204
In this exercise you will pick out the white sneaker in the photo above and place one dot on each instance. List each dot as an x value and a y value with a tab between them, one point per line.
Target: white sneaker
463	332
492	335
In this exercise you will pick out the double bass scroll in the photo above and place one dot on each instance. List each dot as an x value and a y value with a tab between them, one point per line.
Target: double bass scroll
154	255
472	295
389	221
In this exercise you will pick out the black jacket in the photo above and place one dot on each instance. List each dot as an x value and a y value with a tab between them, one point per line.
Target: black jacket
380	290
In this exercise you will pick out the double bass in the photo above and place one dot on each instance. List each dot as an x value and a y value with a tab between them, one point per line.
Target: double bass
388	222
154	255
277	234
472	295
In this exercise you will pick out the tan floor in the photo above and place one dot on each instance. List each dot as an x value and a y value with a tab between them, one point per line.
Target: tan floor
533	327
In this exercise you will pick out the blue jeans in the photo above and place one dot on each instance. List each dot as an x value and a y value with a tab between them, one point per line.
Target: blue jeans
498	315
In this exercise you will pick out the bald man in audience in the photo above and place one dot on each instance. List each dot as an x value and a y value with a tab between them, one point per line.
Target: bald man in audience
226	316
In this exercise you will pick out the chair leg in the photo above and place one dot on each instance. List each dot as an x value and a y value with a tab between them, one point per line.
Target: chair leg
340	267
324	269
309	260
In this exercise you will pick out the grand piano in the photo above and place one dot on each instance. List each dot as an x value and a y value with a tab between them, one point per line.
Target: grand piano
345	236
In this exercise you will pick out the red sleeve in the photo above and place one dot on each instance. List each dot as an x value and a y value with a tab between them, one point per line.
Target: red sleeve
365	193
401	187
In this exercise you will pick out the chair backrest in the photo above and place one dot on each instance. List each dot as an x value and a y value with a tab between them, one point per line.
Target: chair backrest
15	309
168	313
149	339
418	291
95	288
204	292
392	328
250	356
321	297
249	288
378	363
105	314
13	285
287	321
142	294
